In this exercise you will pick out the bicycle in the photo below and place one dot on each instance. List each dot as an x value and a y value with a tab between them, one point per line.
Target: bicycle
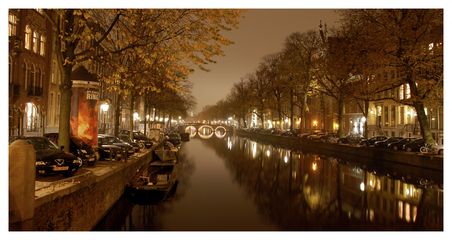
431	149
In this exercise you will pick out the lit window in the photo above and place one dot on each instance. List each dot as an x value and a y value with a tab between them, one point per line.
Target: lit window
35	41
430	46
12	27
42	47
27	37
407	212
31	117
407	91
400	209
401	96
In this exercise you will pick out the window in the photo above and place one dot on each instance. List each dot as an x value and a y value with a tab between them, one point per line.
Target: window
30	76
38	82
31	114
27	38
35	41
407	91
25	70
52	110
12	27
401	94
41	80
52	72
42	47
393	116
57	115
386	116
402	115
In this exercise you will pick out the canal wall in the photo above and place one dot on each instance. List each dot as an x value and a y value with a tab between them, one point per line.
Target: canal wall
87	197
368	155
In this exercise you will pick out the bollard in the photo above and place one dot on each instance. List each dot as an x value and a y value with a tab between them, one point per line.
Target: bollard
22	158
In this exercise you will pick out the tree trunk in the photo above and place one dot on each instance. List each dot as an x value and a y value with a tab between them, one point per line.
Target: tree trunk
423	122
304	99
68	52
146	105
366	114
421	115
278	99
340	115
262	113
117	114
323	110
131	117
64	128
291	110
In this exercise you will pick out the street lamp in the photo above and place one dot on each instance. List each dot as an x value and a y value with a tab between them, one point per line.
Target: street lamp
104	108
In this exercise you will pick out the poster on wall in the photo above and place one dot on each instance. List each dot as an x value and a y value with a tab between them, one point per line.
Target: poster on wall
84	114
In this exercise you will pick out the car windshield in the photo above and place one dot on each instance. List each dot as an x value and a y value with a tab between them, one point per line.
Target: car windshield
41	143
125	138
106	140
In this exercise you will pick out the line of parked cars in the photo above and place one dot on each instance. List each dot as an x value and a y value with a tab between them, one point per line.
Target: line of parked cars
393	143
50	159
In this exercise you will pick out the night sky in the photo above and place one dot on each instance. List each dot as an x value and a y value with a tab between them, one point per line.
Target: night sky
260	33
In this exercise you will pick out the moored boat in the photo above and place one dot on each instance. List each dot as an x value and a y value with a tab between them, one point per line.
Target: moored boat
153	183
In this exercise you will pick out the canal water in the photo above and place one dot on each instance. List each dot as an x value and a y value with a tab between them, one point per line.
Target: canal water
238	184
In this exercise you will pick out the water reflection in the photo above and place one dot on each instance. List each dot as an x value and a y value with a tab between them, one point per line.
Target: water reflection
302	191
238	184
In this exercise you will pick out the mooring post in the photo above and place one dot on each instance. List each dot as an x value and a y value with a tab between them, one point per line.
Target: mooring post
22	160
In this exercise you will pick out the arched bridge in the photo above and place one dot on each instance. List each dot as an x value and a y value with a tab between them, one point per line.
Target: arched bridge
206	131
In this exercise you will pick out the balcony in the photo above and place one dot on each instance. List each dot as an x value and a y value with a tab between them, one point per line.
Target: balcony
35	91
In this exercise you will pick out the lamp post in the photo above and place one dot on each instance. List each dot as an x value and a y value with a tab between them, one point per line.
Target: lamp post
104	108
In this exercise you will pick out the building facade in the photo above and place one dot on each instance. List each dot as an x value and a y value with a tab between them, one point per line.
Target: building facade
30	67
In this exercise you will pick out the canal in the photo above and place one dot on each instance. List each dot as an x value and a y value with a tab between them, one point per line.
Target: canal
238	184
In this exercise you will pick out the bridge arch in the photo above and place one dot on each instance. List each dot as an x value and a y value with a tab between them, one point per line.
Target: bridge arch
218	133
191	130
203	131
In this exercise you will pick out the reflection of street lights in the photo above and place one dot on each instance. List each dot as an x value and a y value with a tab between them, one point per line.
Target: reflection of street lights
104	108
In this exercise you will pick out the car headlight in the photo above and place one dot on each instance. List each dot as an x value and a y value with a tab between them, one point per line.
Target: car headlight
40	163
107	150
77	161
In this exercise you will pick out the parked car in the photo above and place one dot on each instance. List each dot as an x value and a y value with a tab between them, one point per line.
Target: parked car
371	141
139	137
414	146
136	146
351	139
174	138
432	149
330	138
400	144
77	147
384	143
108	151
289	133
52	160
127	148
305	136
316	136
275	131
